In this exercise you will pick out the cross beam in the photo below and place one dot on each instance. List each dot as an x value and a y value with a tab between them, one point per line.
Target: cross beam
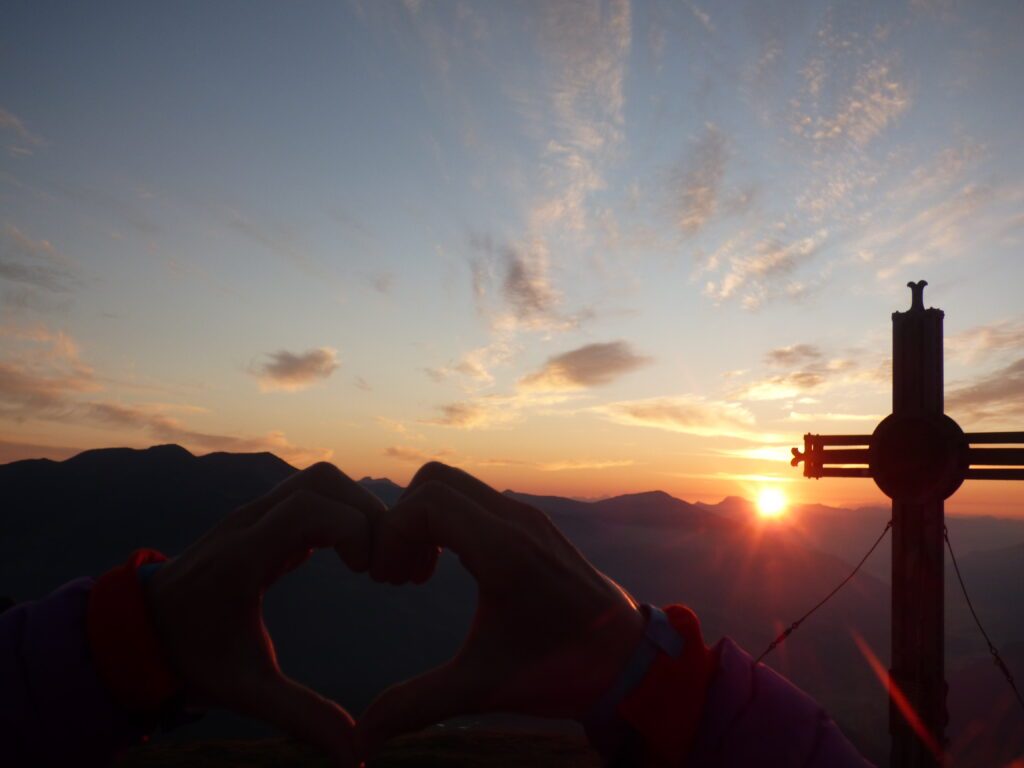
919	457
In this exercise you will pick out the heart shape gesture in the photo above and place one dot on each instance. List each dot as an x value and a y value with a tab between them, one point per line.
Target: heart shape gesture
550	633
207	603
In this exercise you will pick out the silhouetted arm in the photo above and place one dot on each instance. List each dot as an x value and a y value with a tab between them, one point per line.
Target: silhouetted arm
554	637
54	707
99	663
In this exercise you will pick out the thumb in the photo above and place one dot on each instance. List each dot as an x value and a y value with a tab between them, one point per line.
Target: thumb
430	698
306	715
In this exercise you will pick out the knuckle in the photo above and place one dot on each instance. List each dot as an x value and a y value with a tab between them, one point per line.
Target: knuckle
323	473
433	472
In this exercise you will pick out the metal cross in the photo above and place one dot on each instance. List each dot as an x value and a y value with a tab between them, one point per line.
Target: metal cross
919	457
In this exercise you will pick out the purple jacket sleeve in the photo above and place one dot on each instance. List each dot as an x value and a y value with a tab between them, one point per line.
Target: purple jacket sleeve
54	710
753	716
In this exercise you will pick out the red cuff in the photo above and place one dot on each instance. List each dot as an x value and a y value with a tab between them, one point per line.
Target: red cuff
125	649
666	708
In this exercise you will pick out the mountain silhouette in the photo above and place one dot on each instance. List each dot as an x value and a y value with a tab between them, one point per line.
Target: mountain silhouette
351	637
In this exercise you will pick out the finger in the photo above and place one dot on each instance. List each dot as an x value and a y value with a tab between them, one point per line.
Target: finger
306	521
437	695
425	566
305	715
441	516
400	544
487	497
322	478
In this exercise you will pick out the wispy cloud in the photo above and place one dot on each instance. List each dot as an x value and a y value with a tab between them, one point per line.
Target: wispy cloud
26	140
40	380
293	371
803	417
688	414
796	354
760	270
48	380
478	365
513	287
398	428
696	183
874	99
481	414
812	374
587	366
983	340
35	263
992	397
702	16
569	465
415	455
161	426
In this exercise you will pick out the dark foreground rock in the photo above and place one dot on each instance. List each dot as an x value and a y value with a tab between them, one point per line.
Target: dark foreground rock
434	748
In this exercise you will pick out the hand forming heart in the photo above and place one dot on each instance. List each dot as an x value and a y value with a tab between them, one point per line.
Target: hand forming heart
207	604
550	633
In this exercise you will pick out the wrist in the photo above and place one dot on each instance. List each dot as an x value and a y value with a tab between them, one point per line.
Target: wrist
649	715
125	646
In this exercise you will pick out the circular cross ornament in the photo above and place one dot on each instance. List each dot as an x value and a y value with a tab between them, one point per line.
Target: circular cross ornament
919	458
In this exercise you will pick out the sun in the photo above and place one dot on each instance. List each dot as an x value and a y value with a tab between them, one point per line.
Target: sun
771	503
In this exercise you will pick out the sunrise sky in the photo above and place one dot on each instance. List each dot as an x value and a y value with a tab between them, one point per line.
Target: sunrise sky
578	247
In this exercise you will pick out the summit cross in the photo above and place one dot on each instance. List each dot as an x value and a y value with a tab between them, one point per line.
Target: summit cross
918	456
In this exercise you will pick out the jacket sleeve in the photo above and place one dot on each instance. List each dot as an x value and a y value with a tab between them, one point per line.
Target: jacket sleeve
754	716
54	709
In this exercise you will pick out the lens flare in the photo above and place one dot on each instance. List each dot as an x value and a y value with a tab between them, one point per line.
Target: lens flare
771	503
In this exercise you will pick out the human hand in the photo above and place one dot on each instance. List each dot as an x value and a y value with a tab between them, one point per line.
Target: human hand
207	603
550	633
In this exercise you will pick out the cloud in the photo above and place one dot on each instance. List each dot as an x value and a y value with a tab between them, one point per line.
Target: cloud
873	101
478	364
512	284
581	464
382	282
983	340
992	397
829	416
16	451
587	366
40	380
49	381
291	371
415	455
696	184
398	427
34	263
480	414
783	387
702	16
814	375
688	414
27	138
586	45
554	466
760	271
797	354
493	410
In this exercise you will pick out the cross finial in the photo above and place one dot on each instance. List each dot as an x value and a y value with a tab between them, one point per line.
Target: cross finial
917	295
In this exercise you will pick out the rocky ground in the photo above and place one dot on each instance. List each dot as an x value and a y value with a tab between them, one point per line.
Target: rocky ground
434	748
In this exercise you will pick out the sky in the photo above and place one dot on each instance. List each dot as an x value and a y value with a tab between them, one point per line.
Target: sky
583	248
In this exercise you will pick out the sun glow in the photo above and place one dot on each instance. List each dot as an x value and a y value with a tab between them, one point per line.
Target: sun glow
771	503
